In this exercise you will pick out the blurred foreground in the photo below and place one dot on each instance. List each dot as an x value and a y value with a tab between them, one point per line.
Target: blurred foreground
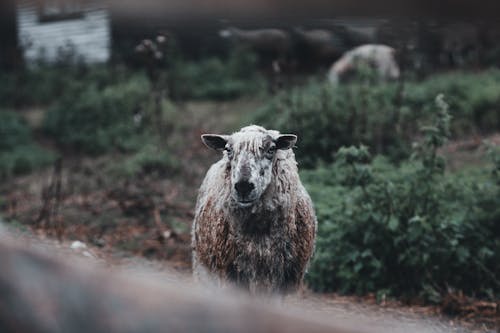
50	289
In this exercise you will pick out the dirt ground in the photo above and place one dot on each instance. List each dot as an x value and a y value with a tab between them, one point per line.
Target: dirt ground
145	221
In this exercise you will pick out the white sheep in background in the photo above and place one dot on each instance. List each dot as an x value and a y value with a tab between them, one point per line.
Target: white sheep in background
254	223
379	57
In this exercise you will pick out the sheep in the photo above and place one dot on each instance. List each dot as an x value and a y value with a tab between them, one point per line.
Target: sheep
320	44
273	47
273	43
254	224
380	57
354	34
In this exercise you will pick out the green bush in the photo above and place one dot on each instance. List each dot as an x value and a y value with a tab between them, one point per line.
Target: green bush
45	84
13	131
215	78
100	119
384	116
325	119
147	160
473	97
30	87
18	153
210	78
411	230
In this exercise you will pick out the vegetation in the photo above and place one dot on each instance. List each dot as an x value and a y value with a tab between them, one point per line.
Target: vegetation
411	230
18	153
392	220
148	160
45	84
385	116
211	78
215	78
99	119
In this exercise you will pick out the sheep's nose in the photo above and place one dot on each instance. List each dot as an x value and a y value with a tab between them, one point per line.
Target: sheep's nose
244	188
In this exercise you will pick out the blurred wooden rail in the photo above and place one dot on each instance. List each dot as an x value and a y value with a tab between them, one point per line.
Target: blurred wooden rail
40	294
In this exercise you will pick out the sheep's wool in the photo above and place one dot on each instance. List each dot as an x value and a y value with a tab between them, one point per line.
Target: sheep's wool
380	57
264	247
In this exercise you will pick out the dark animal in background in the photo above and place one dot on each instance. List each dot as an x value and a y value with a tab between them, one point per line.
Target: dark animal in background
254	224
318	45
274	44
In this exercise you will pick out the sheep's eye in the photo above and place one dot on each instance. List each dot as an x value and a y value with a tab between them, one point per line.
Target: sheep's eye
270	152
229	151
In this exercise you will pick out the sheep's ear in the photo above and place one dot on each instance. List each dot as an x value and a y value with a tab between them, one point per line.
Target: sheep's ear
214	141
286	141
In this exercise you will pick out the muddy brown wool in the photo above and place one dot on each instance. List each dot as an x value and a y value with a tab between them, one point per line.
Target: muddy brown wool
254	224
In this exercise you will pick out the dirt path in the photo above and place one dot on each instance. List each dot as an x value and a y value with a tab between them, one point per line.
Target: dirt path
388	316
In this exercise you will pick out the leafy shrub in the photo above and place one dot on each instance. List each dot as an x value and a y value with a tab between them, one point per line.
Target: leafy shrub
148	159
383	116
18	153
473	97
13	131
99	119
45	84
411	230
30	87
23	159
325	119
494	152
215	78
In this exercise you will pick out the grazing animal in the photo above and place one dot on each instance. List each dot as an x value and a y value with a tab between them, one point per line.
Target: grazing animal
320	44
380	57
254	224
272	43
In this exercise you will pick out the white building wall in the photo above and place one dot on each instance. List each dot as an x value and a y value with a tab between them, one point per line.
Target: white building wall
89	36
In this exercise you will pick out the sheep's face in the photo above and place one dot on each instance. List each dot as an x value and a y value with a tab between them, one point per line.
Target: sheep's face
250	154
